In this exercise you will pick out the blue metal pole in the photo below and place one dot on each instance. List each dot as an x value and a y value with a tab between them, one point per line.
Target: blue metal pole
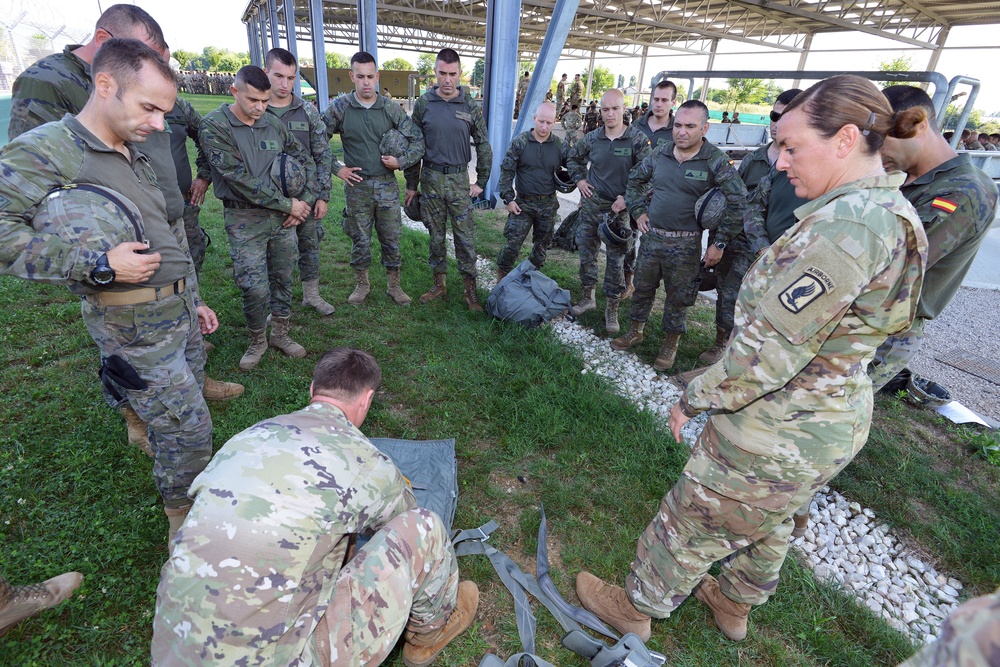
250	41
368	27
288	7
502	32
272	20
262	27
318	34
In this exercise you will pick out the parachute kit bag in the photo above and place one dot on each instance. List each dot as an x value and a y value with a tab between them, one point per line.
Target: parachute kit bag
527	296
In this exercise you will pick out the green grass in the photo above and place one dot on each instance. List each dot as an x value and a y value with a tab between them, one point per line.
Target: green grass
530	428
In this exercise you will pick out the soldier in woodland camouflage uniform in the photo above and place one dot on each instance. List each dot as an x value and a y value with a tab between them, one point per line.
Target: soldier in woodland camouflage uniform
572	123
257	574
304	122
677	173
362	118
970	637
532	157
184	121
791	404
450	120
242	141
150	314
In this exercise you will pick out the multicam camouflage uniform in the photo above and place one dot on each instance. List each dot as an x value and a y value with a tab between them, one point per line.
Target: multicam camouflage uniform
160	338
610	162
560	95
263	252
575	92
522	90
572	122
791	403
444	181
255	577
55	85
534	163
307	126
969	637
374	202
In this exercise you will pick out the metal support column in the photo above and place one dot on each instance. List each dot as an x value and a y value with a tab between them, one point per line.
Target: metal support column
318	35
590	75
250	43
368	27
938	50
802	59
262	28
272	21
642	75
503	28
288	11
711	64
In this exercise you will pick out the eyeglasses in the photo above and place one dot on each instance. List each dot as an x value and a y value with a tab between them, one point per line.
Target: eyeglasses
775	116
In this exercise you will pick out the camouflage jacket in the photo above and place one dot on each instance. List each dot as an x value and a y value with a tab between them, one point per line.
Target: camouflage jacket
792	384
606	163
575	90
561	91
241	157
534	163
676	186
768	217
361	139
448	128
522	87
968	637
55	85
184	122
256	562
314	137
571	121
957	203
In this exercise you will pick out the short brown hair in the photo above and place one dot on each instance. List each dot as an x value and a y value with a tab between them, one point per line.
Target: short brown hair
283	56
124	58
122	20
345	373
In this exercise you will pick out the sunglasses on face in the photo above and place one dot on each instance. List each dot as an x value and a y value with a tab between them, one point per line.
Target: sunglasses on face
775	116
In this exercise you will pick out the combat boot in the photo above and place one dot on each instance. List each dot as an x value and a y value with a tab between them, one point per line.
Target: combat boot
801	522
587	301
138	430
668	353
282	340
220	391
439	291
470	297
208	346
629	286
19	602
714	353
421	650
393	289
254	353
311	297
611	605
501	274
361	288
730	617
175	518
632	337
611	316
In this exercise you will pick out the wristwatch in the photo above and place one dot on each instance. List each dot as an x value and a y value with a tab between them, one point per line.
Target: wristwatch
102	273
721	245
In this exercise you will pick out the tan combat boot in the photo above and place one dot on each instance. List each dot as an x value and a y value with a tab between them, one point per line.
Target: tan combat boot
421	650
611	316
801	522
730	617
208	346
587	301
361	288
714	353
138	430
175	518
19	602
668	353
439	291
629	286
282	340
501	274
470	297
311	297
254	353
611	605
632	337
220	391
393	289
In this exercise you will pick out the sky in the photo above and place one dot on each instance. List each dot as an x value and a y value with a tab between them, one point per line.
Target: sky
193	24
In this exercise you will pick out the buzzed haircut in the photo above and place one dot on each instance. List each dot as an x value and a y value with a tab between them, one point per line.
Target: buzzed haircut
666	83
283	56
449	56
787	96
344	373
902	98
995	136
695	104
122	20
362	57
251	75
124	58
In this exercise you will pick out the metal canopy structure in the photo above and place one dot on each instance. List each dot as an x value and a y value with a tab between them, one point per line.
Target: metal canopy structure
627	27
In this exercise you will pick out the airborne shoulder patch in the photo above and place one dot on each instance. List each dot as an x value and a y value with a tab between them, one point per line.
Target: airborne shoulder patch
808	287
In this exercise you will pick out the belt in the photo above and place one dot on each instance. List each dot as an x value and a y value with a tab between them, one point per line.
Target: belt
447	168
380	177
238	205
534	197
673	235
135	296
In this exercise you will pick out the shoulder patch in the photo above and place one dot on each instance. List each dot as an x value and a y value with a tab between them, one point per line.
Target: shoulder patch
808	287
944	205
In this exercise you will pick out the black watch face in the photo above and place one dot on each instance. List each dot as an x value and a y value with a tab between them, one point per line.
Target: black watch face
103	275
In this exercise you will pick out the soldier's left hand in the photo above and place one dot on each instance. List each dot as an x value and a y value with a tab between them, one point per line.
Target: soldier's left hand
619	205
475	190
712	256
207	321
319	209
196	195
291	221
677	420
390	162
514	208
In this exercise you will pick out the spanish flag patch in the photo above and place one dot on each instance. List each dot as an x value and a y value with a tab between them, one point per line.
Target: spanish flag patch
944	205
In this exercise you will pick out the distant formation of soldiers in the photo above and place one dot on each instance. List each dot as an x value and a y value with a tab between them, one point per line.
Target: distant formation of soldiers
206	83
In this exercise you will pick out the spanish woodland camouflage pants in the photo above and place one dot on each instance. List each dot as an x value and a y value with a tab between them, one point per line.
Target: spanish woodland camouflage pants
589	243
374	202
676	262
537	216
263	254
444	196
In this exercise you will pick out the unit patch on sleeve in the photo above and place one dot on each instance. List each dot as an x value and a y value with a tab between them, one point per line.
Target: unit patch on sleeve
810	286
944	205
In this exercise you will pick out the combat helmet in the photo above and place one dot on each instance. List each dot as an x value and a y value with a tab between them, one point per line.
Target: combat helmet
611	233
564	182
394	143
709	208
289	175
89	215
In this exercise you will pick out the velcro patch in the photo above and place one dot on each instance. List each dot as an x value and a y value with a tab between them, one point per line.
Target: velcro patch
696	174
806	289
944	205
298	126
216	158
268	145
622	151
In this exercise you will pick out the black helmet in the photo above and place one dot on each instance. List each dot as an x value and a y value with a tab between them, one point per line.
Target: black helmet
564	182
611	233
288	175
90	215
412	210
394	143
709	209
